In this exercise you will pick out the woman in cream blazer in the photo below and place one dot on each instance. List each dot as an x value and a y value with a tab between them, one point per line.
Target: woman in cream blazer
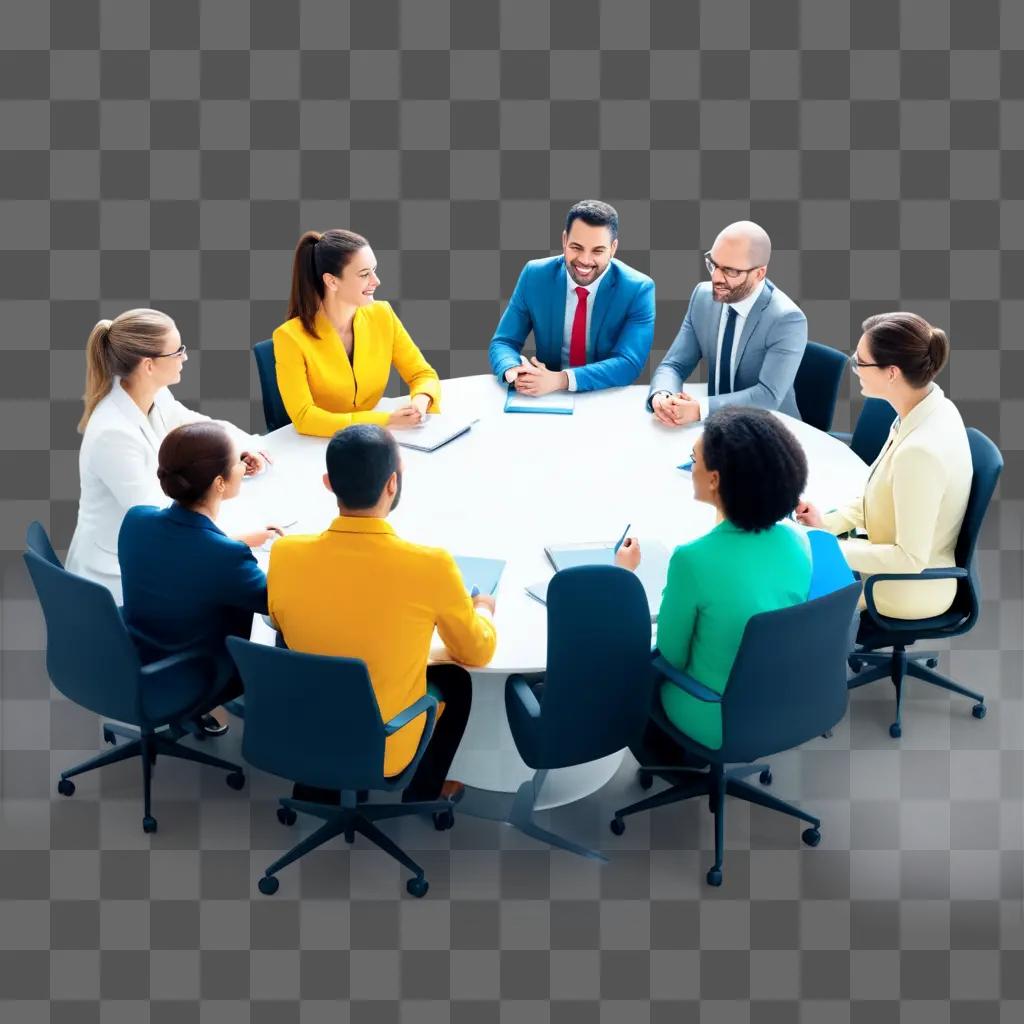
129	410
335	352
916	494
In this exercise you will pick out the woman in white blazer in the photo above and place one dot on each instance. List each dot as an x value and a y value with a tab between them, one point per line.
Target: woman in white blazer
916	494
131	362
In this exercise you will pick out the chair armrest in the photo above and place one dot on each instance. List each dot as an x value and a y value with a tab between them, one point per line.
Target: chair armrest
952	573
425	705
524	694
684	682
176	661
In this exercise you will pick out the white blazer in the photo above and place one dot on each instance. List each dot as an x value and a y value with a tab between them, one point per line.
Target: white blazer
117	469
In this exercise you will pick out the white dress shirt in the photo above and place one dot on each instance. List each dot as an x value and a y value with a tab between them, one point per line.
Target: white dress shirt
571	302
743	308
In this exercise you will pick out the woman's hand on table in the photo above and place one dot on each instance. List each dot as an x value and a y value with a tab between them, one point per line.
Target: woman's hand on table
808	515
628	555
405	416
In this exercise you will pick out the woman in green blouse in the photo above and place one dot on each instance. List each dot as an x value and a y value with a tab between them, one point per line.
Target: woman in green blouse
752	469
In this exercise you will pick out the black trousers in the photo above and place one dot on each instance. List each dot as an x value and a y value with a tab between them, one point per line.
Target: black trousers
657	748
455	688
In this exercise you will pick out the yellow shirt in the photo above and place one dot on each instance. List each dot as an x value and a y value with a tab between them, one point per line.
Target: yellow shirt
912	509
324	392
359	591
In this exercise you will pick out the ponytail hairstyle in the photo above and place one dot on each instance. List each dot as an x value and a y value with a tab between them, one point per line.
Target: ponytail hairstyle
908	341
191	457
315	255
115	347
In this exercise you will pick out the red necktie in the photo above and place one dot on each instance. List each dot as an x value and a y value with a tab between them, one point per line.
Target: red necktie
578	338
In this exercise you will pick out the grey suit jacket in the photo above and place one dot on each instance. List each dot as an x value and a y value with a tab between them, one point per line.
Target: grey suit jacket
767	356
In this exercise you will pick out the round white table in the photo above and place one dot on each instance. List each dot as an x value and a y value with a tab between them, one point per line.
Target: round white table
513	484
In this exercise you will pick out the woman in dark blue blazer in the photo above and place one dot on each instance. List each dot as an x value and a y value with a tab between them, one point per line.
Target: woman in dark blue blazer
187	585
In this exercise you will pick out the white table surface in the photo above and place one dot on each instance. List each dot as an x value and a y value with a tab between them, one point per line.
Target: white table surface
513	484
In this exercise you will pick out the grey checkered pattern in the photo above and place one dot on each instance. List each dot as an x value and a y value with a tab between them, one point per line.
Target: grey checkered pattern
169	154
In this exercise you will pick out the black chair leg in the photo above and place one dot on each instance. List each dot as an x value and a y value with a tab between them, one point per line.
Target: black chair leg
871	675
171	749
386	843
121	753
698	786
325	833
147	753
380	812
718	790
753	795
928	675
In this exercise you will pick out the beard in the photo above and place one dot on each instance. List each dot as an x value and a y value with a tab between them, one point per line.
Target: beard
737	294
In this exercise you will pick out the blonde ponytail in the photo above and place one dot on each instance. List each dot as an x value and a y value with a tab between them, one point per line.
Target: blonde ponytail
115	347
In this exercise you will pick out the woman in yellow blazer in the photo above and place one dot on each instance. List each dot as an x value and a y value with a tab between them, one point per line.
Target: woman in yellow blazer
916	494
335	352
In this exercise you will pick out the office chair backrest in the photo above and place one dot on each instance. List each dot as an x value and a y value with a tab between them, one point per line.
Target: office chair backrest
788	682
310	718
817	383
872	428
829	570
274	412
90	657
597	690
38	541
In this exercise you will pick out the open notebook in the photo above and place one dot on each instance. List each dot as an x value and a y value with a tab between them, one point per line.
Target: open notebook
652	572
482	573
433	432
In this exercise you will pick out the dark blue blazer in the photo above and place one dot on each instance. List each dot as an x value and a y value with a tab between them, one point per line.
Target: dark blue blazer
621	324
186	583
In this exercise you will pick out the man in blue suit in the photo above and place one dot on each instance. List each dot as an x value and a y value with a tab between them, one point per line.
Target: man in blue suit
592	317
750	334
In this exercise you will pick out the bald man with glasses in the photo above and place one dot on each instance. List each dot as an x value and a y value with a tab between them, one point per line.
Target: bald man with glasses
750	334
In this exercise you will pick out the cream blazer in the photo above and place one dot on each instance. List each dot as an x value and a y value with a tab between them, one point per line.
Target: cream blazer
913	504
117	469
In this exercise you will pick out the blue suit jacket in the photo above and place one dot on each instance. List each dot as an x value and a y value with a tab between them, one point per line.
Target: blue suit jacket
186	584
621	324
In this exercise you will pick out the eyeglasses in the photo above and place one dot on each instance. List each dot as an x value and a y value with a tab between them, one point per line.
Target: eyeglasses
730	273
178	352
856	364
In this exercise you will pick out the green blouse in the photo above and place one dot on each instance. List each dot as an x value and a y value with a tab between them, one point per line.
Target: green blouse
715	584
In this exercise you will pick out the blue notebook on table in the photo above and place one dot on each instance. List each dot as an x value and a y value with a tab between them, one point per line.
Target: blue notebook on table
558	402
482	573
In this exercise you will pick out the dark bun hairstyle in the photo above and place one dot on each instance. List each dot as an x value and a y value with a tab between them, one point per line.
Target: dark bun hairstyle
315	255
908	341
193	456
762	470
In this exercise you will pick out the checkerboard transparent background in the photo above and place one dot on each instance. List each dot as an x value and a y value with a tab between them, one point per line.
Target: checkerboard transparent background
170	153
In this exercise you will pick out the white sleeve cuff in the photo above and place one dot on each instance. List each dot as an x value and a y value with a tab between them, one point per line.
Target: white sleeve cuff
571	377
703	402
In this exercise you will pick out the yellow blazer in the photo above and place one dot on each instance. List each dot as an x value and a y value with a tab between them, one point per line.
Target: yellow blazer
359	591
913	504
324	392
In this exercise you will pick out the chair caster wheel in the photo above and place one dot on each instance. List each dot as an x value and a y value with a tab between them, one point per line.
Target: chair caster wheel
979	710
811	836
932	662
855	664
66	787
714	877
444	820
417	887
268	885
149	824
236	780
895	730
645	778
109	737
287	816
765	778
617	825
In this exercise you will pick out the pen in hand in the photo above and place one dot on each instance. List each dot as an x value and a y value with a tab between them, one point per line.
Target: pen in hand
618	543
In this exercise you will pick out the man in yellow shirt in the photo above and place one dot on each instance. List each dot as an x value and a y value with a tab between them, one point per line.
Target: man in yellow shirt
358	590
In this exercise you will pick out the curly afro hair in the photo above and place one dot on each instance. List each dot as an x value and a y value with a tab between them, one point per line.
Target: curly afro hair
762	468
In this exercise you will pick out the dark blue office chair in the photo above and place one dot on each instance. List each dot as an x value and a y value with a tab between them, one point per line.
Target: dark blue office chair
595	696
817	383
92	660
315	720
38	540
871	429
877	630
787	686
274	411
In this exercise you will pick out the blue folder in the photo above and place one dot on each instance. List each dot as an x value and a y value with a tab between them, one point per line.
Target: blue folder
558	402
482	573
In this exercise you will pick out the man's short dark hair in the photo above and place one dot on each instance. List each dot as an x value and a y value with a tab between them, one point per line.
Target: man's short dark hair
596	214
762	470
360	460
